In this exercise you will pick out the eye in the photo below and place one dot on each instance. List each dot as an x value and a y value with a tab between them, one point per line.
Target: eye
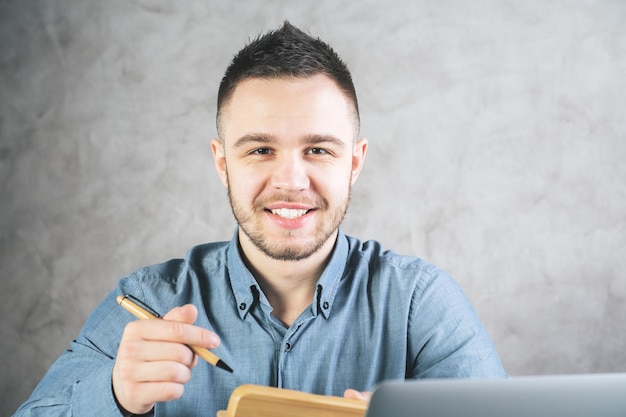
261	151
317	151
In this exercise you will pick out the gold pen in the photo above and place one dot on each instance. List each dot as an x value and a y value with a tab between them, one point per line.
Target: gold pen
143	314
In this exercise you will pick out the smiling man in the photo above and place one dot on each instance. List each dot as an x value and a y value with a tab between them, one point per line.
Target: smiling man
296	303
288	156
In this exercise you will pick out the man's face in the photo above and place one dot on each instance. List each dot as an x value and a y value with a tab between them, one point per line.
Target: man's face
288	158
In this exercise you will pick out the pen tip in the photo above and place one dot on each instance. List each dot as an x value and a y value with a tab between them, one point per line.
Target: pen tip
221	364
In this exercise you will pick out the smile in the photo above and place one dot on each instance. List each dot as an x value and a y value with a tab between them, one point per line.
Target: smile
289	213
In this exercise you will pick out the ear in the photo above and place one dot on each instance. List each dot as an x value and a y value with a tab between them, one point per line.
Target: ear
358	157
219	159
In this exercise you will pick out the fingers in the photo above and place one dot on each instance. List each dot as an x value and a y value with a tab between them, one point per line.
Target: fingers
139	385
154	360
176	326
185	314
155	351
357	395
154	371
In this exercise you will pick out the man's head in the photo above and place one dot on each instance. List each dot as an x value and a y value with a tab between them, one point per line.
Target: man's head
287	151
286	52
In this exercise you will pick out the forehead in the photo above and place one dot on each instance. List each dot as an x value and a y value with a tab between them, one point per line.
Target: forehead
288	105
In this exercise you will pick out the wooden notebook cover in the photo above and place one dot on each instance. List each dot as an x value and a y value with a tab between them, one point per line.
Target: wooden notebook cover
260	401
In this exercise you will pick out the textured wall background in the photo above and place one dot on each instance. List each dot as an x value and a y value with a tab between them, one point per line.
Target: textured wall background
497	147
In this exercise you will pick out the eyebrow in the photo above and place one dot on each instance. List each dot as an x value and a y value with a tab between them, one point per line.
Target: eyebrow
253	138
317	139
263	138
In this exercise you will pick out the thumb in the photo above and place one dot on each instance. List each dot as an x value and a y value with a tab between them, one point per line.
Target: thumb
185	314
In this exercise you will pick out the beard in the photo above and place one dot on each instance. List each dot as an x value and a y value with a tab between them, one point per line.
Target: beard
285	248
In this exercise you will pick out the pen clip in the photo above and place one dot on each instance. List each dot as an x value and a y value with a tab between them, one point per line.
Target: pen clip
142	304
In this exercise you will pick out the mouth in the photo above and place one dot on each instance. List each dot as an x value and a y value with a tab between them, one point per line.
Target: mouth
289	213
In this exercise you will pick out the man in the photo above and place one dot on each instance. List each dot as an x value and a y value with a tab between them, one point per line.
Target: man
295	302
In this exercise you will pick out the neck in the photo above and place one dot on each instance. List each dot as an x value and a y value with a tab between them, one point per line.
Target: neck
288	285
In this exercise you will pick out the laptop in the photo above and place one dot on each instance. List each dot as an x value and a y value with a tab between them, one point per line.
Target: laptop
585	395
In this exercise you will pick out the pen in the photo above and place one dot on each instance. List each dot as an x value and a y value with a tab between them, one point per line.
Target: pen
143	314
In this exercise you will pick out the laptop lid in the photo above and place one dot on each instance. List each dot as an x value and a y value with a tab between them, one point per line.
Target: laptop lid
588	395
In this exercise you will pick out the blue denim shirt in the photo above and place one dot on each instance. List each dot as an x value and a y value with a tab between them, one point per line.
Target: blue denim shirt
375	316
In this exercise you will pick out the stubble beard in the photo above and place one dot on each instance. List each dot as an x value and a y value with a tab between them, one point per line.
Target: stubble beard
285	251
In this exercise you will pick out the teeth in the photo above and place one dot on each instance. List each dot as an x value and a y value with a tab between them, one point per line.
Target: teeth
289	213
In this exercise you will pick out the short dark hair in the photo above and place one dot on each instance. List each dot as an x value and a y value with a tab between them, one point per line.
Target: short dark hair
285	52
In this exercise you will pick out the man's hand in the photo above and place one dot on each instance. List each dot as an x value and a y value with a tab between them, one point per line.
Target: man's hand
154	361
357	395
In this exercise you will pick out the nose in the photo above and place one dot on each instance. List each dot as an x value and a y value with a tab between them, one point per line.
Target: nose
290	173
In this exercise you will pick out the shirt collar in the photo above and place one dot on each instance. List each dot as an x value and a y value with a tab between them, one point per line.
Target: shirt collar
328	283
247	290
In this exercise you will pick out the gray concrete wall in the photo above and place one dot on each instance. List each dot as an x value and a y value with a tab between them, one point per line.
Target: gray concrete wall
497	145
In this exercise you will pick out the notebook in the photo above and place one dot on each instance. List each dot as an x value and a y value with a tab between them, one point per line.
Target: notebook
588	395
259	401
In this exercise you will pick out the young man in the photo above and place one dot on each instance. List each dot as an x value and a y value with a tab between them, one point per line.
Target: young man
295	302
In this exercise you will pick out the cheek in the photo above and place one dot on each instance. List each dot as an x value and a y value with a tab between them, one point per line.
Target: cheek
242	182
334	183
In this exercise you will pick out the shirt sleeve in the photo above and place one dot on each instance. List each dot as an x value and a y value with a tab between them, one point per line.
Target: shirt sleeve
79	381
446	337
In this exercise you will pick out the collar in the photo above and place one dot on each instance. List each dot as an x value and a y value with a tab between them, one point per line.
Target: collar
247	291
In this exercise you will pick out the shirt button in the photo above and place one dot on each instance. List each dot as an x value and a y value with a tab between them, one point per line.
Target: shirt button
287	347
325	305
242	306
